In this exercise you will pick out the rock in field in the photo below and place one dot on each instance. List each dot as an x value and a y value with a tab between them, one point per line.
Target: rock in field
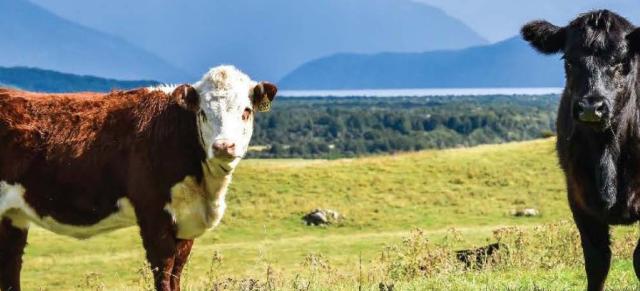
526	212
321	217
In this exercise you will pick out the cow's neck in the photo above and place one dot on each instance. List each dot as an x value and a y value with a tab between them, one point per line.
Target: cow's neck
198	204
607	152
216	179
601	156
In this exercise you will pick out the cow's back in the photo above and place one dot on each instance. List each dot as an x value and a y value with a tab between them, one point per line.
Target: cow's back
79	156
58	128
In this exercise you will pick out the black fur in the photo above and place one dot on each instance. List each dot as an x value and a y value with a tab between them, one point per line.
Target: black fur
601	159
544	36
478	258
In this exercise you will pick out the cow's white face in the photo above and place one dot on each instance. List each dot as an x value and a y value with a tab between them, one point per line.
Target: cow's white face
229	100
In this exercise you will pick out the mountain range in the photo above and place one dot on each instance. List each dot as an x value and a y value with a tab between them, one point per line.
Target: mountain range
302	44
32	36
268	39
510	63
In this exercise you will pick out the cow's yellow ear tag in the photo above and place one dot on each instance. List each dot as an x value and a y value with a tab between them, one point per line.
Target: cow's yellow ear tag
265	104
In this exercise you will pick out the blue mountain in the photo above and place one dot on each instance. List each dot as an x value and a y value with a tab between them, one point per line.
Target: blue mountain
268	39
32	36
510	63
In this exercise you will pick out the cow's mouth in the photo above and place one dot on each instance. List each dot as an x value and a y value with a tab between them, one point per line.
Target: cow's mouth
225	170
223	166
594	126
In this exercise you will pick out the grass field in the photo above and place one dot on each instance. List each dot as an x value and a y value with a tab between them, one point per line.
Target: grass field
456	198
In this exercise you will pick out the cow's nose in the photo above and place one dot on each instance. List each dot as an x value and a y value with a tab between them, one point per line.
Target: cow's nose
591	109
224	149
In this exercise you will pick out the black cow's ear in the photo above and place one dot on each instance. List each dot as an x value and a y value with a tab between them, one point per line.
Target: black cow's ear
187	97
262	96
544	36
633	38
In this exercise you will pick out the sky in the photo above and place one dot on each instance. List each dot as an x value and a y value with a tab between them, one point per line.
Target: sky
497	20
269	39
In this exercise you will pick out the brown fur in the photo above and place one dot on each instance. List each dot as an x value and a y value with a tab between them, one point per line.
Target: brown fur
12	243
77	154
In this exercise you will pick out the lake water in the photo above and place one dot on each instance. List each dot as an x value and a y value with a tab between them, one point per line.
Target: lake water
420	92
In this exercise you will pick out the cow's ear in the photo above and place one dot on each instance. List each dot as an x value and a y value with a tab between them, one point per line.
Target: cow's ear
544	36
263	95
633	38
187	97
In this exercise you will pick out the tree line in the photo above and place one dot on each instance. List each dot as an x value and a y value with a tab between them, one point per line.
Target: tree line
335	127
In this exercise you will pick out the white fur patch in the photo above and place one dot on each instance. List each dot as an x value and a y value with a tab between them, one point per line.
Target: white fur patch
10	201
198	207
165	88
225	92
14	207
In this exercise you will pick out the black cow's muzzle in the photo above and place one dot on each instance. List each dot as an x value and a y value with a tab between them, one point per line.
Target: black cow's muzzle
591	110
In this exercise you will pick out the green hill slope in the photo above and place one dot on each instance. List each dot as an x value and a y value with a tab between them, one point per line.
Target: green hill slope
383	199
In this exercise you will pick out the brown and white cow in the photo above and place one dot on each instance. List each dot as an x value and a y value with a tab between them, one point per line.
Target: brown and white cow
86	163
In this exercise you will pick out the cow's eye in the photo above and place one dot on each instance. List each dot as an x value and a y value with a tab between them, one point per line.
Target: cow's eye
246	115
569	63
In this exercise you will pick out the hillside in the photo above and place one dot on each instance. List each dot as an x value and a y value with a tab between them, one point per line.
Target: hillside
34	37
510	63
383	198
34	79
269	38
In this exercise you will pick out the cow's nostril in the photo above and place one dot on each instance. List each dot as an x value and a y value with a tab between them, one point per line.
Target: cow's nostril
224	148
222	145
591	110
218	146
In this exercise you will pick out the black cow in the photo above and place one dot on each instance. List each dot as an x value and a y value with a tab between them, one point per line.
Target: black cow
478	258
598	127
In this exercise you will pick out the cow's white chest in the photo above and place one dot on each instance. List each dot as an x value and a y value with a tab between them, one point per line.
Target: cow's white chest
13	206
198	206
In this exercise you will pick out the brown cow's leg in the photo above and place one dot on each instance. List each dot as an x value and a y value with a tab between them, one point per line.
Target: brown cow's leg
12	243
159	243
182	255
594	236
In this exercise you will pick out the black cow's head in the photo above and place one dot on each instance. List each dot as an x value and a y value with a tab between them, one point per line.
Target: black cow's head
600	54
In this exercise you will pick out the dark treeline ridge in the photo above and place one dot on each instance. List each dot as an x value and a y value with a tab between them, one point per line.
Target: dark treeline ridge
336	127
34	79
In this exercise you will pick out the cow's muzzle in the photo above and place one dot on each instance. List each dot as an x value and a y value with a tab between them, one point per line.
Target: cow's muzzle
224	149
591	110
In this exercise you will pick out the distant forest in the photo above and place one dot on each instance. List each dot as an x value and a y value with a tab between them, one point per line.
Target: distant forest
328	127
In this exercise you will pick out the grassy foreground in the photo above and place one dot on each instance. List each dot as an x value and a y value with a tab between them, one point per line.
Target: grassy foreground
405	215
